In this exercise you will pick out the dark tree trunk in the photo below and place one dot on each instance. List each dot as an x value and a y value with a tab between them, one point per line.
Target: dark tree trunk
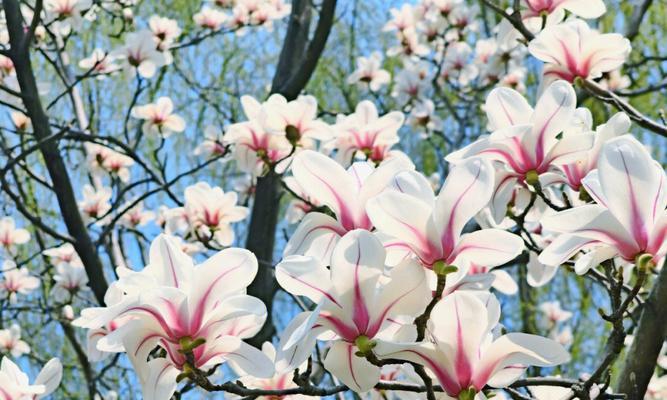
650	334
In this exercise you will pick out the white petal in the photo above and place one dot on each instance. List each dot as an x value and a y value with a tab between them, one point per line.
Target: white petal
354	371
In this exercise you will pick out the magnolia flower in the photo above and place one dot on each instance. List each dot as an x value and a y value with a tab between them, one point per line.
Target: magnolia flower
103	159
574	50
296	120
418	223
423	116
15	384
412	82
10	235
100	62
410	45
629	219
463	354
136	216
159	118
210	18
16	280
20	121
355	303
197	314
553	312
64	254
95	203
365	134
139	54
70	11
369	72
581	8
212	145
537	14
253	145
401	19
10	342
165	31
457	64
211	212
281	380
70	279
345	192
574	172
525	140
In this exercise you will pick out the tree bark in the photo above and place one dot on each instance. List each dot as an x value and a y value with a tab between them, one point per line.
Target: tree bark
55	165
649	335
298	59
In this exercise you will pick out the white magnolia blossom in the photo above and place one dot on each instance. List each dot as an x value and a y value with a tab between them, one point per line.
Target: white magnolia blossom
369	72
184	308
210	212
159	118
165	31
102	159
10	235
136	216
16	385
365	134
15	281
573	50
64	254
70	280
139	54
11	343
100	62
96	203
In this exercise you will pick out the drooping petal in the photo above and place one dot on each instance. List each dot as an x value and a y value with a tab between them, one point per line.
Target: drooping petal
354	371
306	276
160	381
488	247
594	222
242	356
538	273
517	348
504	283
298	340
562	249
593	258
50	376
